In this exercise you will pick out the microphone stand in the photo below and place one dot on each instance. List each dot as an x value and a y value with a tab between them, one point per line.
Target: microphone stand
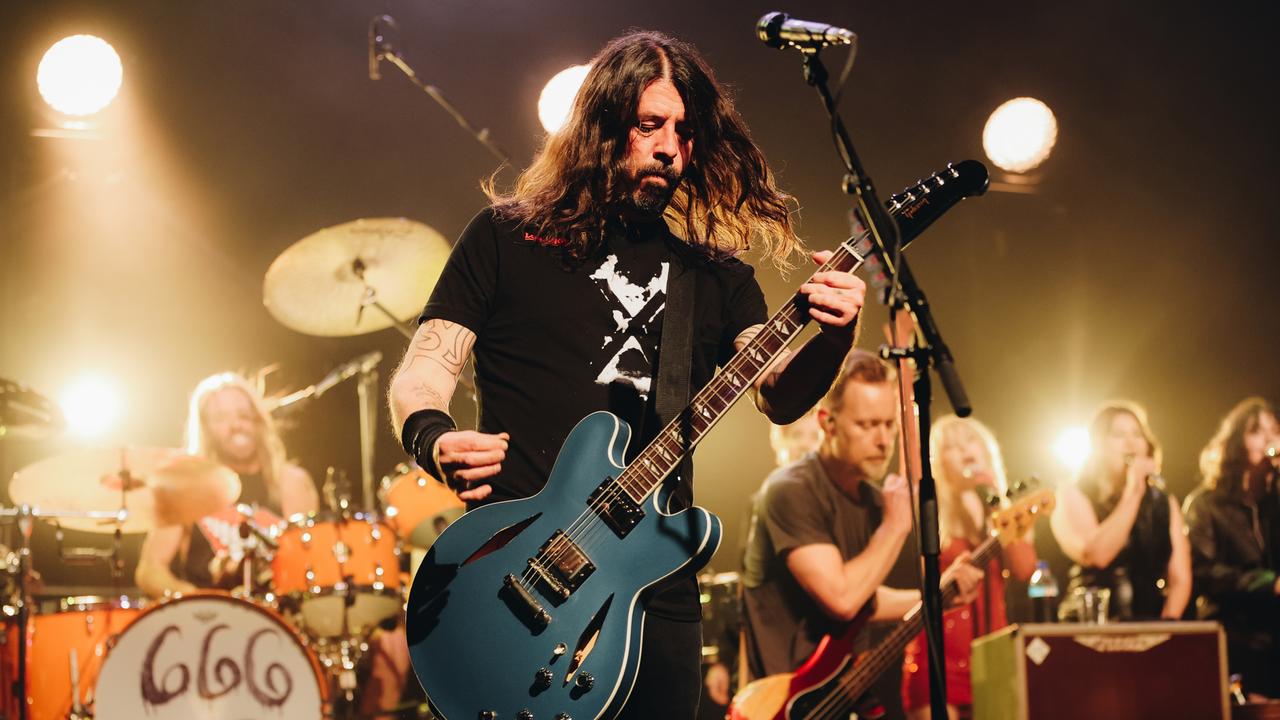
383	51
904	293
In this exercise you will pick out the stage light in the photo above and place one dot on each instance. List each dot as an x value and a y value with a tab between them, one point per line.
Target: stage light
1020	134
1072	447
79	75
92	405
557	96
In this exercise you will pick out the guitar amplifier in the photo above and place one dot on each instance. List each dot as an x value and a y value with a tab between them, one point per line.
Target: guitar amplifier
1119	670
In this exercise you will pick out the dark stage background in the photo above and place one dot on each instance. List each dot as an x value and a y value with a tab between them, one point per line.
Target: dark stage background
1142	268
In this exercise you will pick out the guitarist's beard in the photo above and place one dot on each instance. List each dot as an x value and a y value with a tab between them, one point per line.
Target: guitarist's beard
649	199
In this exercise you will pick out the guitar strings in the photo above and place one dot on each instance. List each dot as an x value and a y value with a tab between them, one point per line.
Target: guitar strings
833	706
588	526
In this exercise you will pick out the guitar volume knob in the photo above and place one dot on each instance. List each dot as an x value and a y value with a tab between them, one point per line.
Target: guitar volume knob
585	681
524	715
543	678
563	716
487	715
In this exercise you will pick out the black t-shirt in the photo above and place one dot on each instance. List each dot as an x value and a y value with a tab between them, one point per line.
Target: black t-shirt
559	339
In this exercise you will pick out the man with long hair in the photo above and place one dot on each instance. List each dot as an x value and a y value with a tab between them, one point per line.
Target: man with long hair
1233	523
226	422
559	289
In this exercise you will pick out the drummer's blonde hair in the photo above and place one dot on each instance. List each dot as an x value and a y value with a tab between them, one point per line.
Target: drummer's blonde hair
271	453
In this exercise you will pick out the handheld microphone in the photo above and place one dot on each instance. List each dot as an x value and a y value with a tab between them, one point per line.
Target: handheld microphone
779	30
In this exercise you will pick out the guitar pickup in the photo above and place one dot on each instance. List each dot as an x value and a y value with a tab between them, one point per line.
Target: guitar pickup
561	566
615	507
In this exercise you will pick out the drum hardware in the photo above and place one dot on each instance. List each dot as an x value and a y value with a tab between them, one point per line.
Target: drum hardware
19	565
26	414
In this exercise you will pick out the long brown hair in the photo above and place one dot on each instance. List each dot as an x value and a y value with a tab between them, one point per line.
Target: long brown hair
579	181
1090	479
1224	460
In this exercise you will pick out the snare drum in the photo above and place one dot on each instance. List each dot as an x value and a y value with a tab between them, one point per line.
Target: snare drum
209	657
62	633
320	560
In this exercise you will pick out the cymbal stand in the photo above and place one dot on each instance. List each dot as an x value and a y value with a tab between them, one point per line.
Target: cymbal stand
367	394
25	523
370	299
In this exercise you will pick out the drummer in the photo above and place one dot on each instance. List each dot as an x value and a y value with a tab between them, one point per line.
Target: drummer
228	423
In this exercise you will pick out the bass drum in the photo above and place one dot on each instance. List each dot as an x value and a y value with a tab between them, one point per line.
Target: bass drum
209	657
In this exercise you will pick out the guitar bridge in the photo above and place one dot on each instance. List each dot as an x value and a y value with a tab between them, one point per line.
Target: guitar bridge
560	566
524	604
615	507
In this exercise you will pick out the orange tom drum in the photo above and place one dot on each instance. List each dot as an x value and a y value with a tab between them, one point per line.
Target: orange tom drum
322	559
418	507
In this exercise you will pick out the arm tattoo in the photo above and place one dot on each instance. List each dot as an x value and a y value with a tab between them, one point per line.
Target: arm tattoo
444	343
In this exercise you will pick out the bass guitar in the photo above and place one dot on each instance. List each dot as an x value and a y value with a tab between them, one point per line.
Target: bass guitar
830	684
533	609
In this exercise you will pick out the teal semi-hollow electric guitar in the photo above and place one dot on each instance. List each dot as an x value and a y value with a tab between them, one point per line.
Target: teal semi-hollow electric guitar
532	609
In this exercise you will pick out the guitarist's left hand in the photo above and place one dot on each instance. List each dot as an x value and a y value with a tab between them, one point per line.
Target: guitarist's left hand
968	579
835	298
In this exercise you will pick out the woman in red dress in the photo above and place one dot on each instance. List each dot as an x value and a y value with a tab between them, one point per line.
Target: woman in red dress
965	456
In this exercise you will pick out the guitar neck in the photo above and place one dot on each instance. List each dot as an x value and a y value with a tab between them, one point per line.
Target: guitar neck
882	656
680	436
914	210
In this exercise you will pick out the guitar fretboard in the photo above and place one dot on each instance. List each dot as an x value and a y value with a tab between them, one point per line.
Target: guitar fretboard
664	454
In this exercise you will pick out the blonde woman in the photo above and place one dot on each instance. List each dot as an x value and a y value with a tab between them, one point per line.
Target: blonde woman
965	457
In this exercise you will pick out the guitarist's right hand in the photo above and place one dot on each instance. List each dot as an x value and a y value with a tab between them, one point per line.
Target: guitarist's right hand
897	503
467	456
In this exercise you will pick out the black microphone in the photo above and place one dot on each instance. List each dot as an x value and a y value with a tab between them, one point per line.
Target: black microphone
779	30
377	45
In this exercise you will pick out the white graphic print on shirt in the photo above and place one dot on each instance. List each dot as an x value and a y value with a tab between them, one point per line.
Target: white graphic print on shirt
636	308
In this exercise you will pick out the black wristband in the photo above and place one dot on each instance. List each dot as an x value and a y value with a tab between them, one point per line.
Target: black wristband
419	435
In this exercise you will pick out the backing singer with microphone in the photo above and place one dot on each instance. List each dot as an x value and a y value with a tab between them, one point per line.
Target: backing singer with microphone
1123	532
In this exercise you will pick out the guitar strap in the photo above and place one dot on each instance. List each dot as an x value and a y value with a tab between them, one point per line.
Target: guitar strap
675	356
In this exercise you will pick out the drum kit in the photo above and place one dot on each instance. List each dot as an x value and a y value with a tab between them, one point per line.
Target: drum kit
293	638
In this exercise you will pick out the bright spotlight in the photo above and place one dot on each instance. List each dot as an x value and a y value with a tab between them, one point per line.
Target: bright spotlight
1072	447
1020	134
556	99
92	406
79	75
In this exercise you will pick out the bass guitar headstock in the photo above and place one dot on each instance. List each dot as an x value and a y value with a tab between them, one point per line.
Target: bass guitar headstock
1013	521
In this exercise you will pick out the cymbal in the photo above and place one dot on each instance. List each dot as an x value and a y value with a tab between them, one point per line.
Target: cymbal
320	285
158	486
25	413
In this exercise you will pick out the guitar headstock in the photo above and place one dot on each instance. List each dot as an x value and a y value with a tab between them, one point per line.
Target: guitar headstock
956	181
1012	522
